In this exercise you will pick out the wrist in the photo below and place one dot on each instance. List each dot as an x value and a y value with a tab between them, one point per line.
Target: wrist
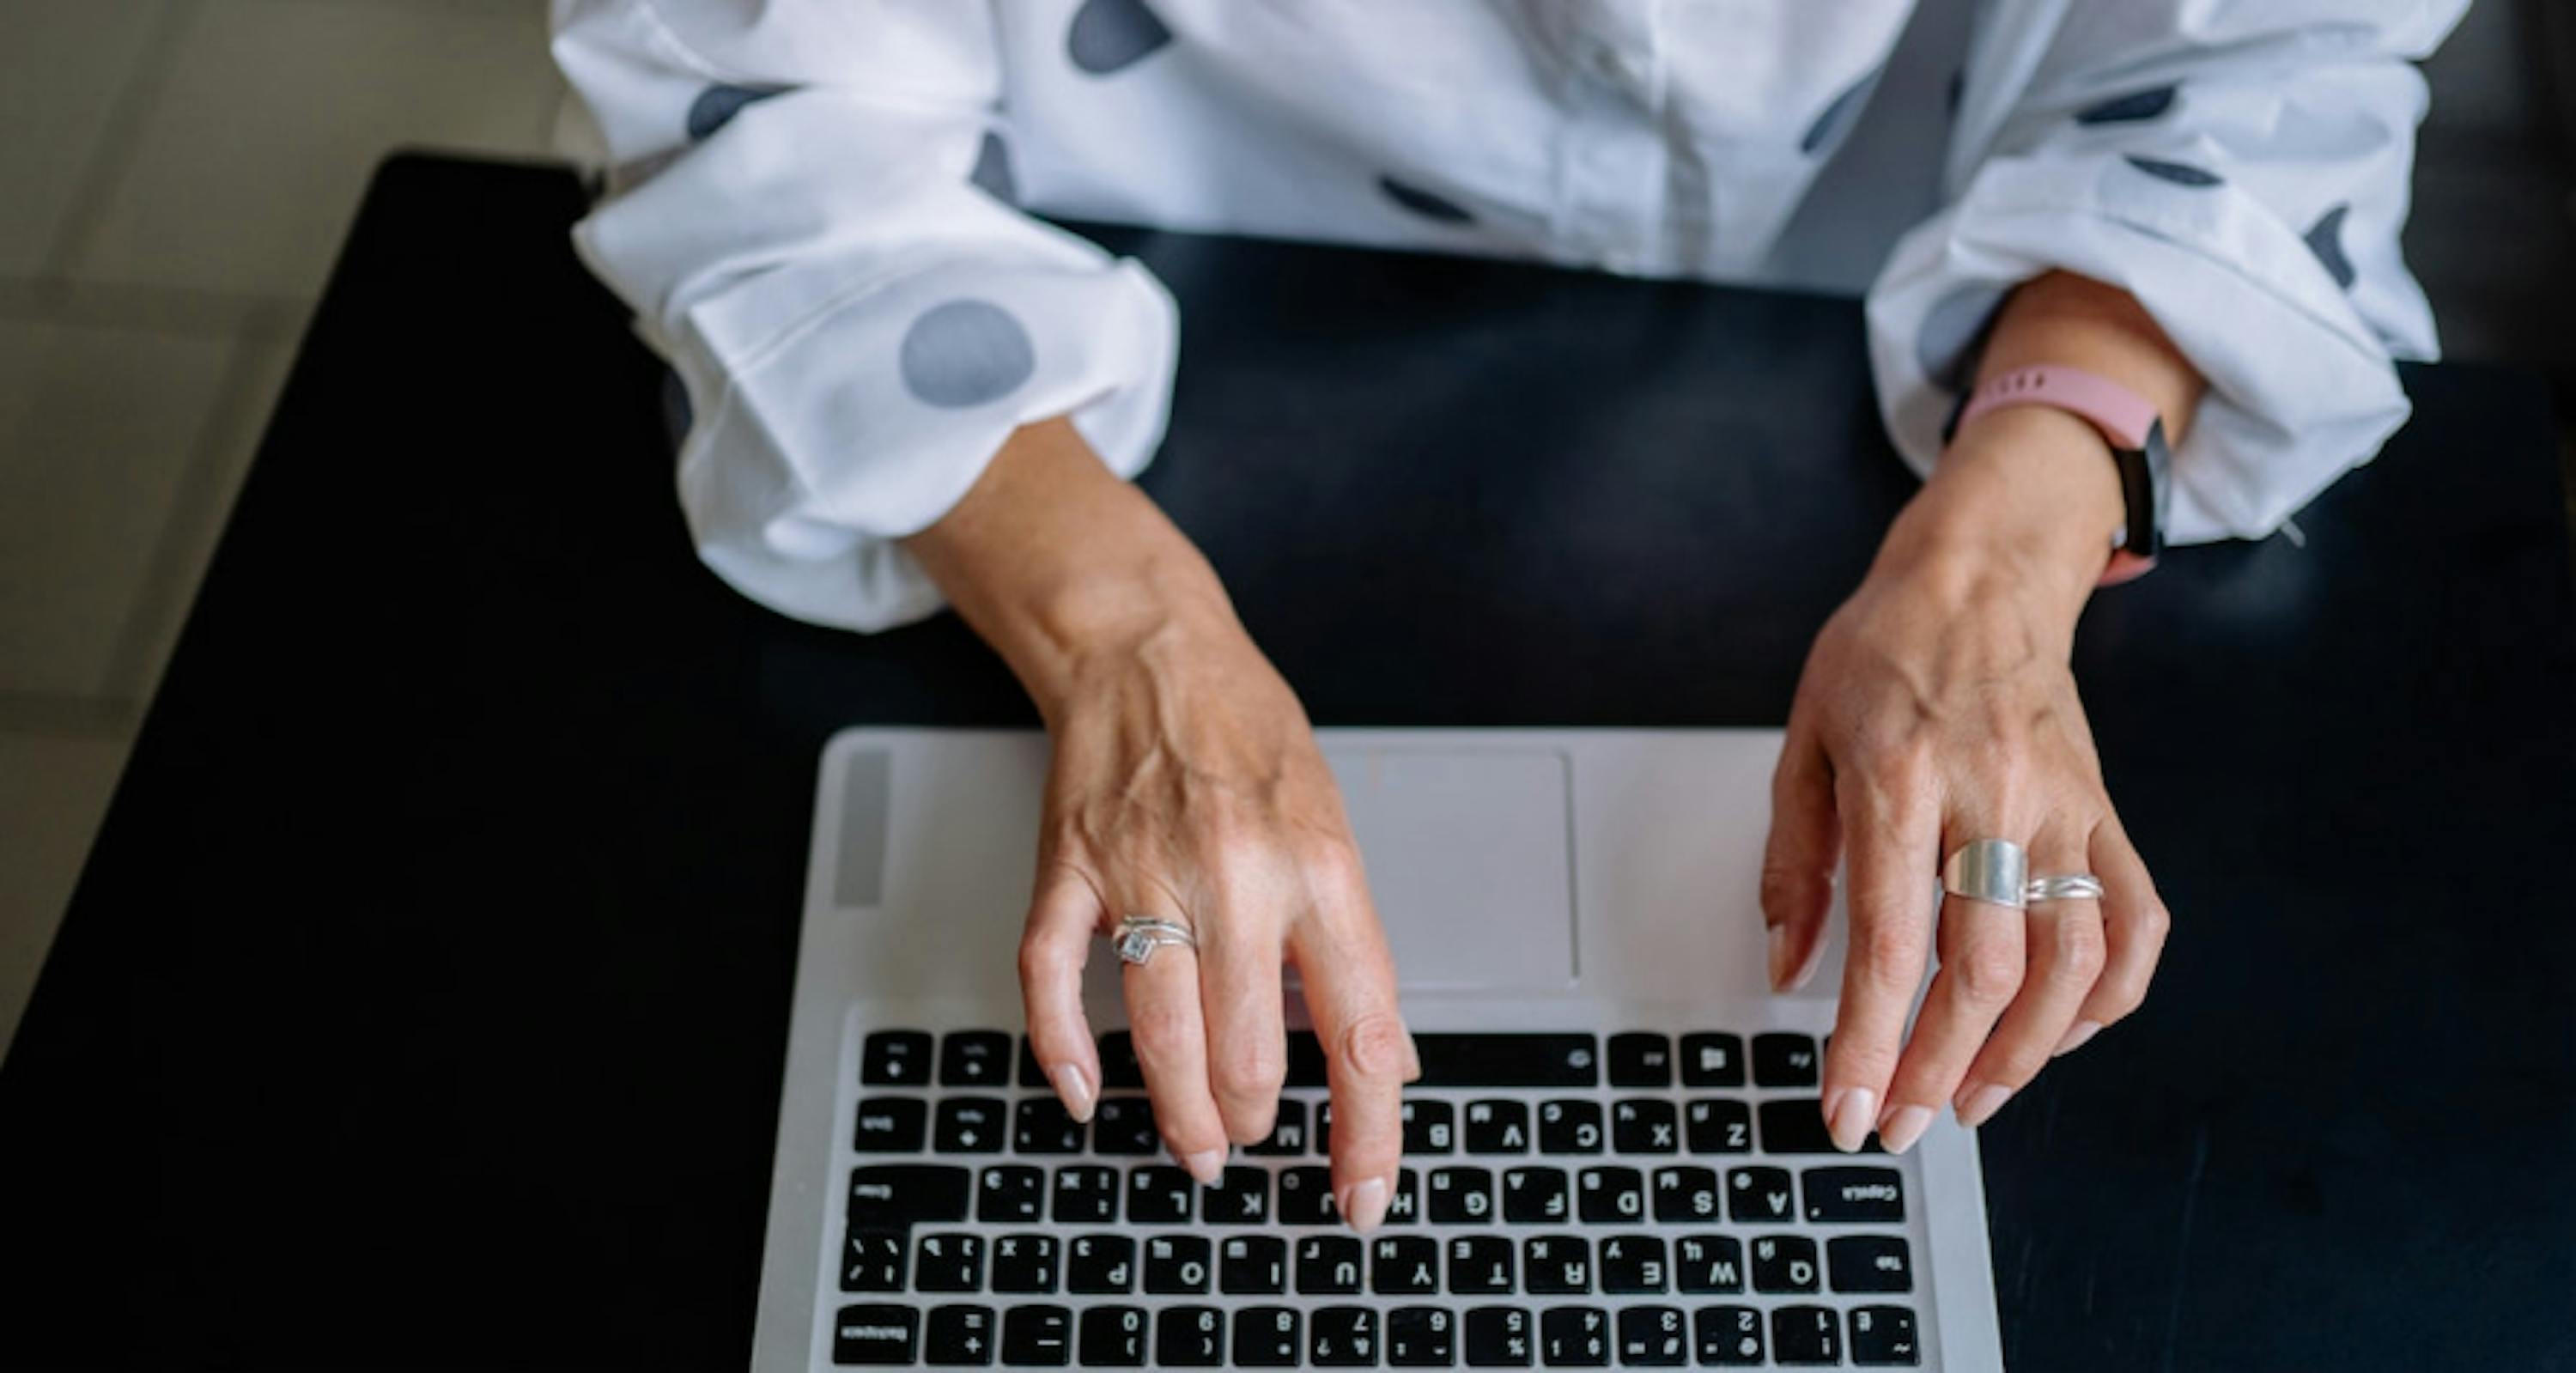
2023	505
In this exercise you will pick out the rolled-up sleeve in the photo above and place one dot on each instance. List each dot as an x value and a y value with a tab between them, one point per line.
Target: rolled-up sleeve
2242	170
794	216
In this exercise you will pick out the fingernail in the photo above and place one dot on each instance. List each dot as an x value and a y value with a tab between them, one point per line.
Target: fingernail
1806	972
1977	1107
1074	1085
1363	1204
1412	1058
2084	1030
1903	1126
1207	1165
1849	1112
1779	958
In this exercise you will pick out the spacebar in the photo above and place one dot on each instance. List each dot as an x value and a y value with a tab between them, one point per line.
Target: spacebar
1475	1060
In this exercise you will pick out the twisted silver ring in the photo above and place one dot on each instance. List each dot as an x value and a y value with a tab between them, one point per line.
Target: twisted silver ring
2072	886
1139	935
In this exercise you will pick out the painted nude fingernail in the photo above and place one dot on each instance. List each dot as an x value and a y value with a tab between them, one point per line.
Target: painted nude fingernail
1977	1107
1806	972
1363	1204
1074	1085
1903	1126
1207	1165
1849	1113
1779	958
2084	1030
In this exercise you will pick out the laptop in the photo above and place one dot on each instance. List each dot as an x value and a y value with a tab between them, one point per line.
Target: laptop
1614	1159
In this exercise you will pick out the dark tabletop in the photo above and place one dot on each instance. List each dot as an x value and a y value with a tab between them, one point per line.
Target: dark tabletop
424	998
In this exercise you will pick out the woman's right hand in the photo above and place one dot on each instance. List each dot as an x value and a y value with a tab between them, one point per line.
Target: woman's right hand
1185	786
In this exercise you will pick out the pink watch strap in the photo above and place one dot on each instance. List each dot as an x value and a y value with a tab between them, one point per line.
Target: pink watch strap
2123	416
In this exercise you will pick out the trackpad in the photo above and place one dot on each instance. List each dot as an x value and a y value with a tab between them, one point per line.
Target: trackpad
1469	856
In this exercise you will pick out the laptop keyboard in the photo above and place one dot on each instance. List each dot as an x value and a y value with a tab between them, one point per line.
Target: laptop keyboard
1567	1201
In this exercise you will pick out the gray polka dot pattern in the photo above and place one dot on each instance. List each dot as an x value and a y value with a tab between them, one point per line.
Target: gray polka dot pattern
1423	202
2325	239
1946	349
966	352
992	173
2179	173
1111	35
2135	107
716	106
1838	115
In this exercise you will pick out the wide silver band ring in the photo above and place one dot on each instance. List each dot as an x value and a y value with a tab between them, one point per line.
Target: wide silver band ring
2072	886
1995	871
1139	935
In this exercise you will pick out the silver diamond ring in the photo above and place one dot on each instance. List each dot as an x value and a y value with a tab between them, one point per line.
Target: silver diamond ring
1139	935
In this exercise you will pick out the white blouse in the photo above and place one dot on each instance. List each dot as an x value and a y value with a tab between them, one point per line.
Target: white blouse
815	209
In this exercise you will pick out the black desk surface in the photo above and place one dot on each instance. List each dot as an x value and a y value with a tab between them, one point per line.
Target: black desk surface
424	998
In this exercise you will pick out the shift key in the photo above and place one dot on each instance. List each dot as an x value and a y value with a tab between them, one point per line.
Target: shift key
892	1196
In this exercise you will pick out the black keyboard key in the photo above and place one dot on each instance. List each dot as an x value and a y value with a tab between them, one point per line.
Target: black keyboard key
1159	1194
1011	1194
1784	1263
1342	1337
1686	1195
1404	1266
968	1125
1037	1336
1569	1127
1611	1196
1124	1125
1266	1337
1796	1125
1883	1337
1712	1060
1239	1196
892	1125
1555	1265
1421	1337
1113	1337
1118	1064
1039	1125
1509	1060
1252	1266
891	1196
875	1335
1405	1207
1306	1197
1031	1075
1480	1266
895	1058
1653	1337
1644	1127
1100	1265
1708	1263
958	1337
1497	1127
1430	1127
1287	1137
1574	1337
1784	1060
949	1263
1873	1196
975	1058
1500	1337
1177	1263
872	1261
1728	1336
1461	1196
1535	1196
1329	1265
1025	1263
1189	1337
1805	1335
1715	1125
1869	1263
1323	1127
1641	1060
1086	1194
1759	1194
1631	1264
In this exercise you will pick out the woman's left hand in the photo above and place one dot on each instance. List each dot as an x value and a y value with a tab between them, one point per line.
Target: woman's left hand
1937	709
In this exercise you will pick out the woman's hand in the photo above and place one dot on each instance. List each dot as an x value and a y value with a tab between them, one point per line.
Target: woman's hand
1186	786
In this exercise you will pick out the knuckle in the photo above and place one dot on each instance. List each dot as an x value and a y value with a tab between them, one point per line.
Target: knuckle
2080	952
1158	1029
1988	974
1251	1070
1888	953
1037	958
2154	923
1371	1046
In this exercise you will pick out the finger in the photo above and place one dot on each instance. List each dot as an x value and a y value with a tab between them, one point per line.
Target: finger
1247	1041
2134	925
2065	943
1982	962
1350	991
1799	861
1171	1046
1063	917
1891	833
